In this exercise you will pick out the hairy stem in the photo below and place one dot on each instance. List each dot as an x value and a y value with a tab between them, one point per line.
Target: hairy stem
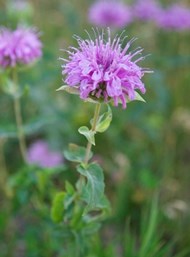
95	119
18	117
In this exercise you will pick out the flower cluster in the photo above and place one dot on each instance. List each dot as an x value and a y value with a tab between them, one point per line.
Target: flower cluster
117	14
176	17
40	154
21	46
103	70
147	10
110	13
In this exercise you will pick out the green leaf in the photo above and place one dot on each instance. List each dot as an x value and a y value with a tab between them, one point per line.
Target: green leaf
77	218
138	97
89	134
91	228
148	231
57	210
93	191
75	91
69	188
69	89
8	86
68	200
76	153
92	100
104	121
42	180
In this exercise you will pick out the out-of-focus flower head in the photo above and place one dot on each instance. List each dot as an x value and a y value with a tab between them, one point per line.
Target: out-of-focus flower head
176	17
19	47
40	154
147	10
110	14
101	69
19	10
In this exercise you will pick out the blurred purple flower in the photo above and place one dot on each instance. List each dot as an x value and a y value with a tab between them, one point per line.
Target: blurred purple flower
18	5
101	69
40	154
147	10
21	46
110	13
175	17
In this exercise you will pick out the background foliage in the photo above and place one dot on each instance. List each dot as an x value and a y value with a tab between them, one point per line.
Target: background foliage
145	150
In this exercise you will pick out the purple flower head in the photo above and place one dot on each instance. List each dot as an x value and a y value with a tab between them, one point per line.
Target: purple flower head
175	17
40	154
102	69
147	10
110	13
21	46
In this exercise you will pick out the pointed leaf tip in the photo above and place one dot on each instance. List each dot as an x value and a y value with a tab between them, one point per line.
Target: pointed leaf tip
138	97
89	134
69	89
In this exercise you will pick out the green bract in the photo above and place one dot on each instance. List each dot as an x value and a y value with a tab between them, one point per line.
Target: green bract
75	91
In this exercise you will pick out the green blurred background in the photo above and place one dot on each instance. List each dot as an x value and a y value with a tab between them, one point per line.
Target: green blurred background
145	150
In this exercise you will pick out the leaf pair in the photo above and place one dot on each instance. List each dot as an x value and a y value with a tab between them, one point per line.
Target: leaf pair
102	125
